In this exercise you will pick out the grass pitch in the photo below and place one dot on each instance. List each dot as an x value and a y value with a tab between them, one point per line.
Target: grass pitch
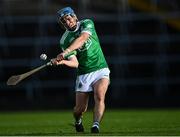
115	122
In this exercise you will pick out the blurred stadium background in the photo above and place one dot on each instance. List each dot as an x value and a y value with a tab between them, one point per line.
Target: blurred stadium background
140	39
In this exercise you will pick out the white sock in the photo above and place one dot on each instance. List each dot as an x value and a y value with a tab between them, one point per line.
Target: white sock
96	124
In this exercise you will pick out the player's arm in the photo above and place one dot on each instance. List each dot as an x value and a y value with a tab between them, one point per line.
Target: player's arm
71	62
77	43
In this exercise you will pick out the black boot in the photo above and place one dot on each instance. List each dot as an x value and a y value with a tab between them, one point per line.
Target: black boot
79	127
95	129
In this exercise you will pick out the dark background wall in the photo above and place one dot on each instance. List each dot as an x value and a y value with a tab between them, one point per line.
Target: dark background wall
140	39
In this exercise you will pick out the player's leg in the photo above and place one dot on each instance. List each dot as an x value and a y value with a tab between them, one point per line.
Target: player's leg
80	107
100	88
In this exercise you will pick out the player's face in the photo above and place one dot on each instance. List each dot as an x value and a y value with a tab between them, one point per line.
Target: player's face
69	22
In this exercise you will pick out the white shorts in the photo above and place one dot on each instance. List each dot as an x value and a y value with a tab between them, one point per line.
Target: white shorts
84	83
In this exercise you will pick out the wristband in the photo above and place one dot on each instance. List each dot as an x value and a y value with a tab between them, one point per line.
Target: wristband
67	50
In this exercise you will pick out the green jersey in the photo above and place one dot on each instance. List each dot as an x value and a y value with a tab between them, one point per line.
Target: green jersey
90	55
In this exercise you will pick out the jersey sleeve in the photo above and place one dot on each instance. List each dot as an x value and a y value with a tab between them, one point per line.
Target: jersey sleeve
87	26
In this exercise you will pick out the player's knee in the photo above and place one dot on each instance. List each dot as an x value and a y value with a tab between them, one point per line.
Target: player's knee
99	98
99	94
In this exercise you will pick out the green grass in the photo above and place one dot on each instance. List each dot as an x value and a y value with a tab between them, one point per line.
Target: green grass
115	122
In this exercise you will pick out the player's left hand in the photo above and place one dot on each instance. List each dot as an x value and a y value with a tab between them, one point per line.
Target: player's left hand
60	56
